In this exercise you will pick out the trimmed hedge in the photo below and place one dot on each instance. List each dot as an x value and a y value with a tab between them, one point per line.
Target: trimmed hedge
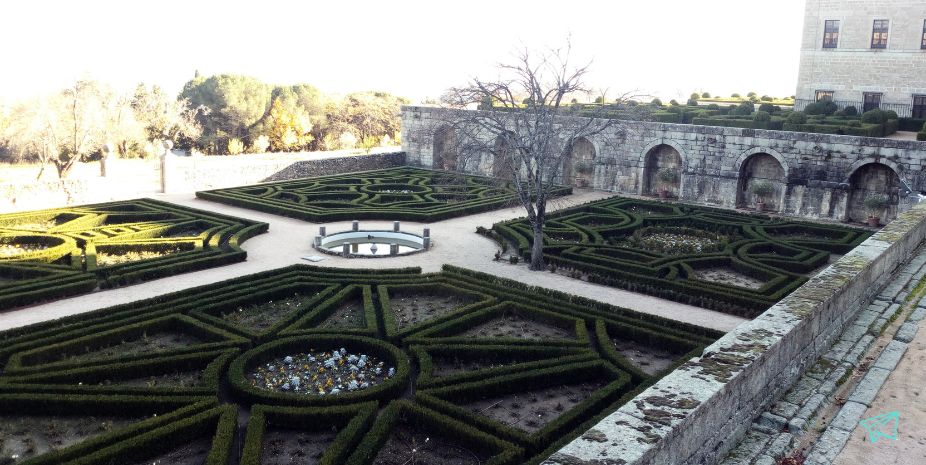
591	239
73	237
40	376
401	194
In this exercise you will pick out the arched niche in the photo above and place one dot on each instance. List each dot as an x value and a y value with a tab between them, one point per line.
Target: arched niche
662	158
578	167
444	149
761	168
501	162
869	180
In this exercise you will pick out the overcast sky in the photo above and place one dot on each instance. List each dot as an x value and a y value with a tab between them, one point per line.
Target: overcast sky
413	48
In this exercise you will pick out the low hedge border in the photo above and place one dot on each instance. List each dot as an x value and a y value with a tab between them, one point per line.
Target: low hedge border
305	324
394	333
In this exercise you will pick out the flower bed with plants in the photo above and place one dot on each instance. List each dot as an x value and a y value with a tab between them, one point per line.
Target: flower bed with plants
683	252
167	378
53	253
400	194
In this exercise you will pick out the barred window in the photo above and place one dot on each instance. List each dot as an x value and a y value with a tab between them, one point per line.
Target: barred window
824	95
830	33
879	33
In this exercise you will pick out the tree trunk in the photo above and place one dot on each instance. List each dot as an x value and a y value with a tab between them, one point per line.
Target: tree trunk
537	247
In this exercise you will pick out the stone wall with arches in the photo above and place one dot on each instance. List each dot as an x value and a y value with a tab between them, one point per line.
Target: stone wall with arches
811	175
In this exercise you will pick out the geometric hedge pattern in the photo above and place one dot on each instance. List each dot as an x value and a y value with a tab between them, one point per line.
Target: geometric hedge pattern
410	194
487	371
53	253
745	263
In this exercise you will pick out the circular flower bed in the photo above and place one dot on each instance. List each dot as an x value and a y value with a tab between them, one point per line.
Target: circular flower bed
317	373
676	240
320	370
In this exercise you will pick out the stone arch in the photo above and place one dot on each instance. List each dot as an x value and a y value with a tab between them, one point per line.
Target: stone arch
444	149
500	168
659	156
761	167
873	178
581	151
782	161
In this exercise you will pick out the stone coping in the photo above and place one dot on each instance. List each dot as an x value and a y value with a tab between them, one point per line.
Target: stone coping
697	413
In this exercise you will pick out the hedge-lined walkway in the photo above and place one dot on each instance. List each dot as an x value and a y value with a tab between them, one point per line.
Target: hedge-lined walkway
455	242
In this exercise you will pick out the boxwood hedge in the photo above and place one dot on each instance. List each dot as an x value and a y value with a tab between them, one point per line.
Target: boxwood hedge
103	363
653	248
404	194
48	254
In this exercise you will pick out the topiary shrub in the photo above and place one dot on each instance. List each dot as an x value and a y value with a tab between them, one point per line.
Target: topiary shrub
823	107
734	95
744	109
768	107
766	98
762	116
713	106
854	124
874	116
705	95
890	114
797	117
673	102
694	96
850	110
692	102
656	102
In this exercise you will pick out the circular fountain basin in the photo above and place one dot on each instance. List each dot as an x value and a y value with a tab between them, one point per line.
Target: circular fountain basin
371	243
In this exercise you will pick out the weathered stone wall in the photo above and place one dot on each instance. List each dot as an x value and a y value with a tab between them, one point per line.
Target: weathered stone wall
817	168
696	414
312	168
853	66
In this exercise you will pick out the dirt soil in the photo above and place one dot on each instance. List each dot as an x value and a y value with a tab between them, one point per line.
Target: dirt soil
409	446
150	343
177	380
259	317
27	436
449	365
532	410
728	276
649	359
413	308
286	446
191	453
348	315
514	325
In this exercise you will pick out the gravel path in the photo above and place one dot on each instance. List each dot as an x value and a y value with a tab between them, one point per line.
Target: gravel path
455	242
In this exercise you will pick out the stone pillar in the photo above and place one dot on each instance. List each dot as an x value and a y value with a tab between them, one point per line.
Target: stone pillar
395	226
427	232
345	250
106	160
355	225
166	166
318	241
426	243
393	249
321	231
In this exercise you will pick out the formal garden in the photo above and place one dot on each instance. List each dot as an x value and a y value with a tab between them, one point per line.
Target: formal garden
400	194
316	365
731	262
54	253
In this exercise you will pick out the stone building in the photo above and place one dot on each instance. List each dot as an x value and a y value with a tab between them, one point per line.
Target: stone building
820	176
865	53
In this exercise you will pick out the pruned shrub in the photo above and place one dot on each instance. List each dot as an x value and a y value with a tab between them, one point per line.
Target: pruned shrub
874	116
762	116
744	109
797	117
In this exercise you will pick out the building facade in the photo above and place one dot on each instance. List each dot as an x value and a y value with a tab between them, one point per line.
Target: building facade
865	53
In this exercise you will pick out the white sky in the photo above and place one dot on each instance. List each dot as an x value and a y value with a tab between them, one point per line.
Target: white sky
412	48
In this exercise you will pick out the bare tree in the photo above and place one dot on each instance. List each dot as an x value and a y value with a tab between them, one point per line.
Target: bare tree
530	129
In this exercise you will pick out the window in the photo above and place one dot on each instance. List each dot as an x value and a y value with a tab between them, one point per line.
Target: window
872	101
824	95
830	33
923	40
879	33
919	107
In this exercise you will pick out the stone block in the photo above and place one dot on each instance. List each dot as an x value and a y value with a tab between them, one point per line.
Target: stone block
848	417
859	349
906	333
868	388
891	355
780	445
826	448
797	426
917	314
811	407
784	409
772	422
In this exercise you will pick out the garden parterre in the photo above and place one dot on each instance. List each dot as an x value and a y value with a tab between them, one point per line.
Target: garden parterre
400	194
53	253
718	259
479	370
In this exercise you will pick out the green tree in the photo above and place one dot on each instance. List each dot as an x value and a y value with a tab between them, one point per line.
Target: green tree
288	129
367	115
231	106
166	117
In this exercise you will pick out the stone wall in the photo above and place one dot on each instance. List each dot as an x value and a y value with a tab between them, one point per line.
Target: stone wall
696	414
312	168
853	66
818	175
